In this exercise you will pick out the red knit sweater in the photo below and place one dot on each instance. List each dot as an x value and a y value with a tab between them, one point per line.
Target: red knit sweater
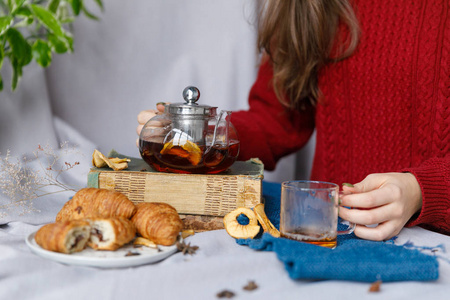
385	109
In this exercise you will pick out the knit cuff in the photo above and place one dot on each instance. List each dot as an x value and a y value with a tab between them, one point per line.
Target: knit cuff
435	203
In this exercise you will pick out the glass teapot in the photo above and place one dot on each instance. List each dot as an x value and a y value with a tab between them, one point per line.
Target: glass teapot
189	138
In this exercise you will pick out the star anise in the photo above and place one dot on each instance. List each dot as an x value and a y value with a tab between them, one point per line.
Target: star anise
186	248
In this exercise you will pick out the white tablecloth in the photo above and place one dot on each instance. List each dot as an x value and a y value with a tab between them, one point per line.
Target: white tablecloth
219	264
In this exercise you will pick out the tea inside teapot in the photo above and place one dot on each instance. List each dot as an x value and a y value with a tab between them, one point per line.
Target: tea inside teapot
181	146
191	138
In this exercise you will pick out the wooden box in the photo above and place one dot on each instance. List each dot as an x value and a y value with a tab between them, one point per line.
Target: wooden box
197	198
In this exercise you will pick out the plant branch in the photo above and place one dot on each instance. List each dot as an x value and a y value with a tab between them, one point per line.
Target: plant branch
22	184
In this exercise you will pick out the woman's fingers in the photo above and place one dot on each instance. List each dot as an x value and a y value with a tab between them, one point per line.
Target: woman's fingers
370	183
368	217
381	232
139	129
145	115
161	105
370	199
387	200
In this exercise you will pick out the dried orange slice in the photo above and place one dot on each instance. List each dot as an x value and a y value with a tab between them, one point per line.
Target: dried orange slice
188	150
264	220
237	230
100	161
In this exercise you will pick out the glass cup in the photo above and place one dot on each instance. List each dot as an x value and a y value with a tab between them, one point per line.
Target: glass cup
309	212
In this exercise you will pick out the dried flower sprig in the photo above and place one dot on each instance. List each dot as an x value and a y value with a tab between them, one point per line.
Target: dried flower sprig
22	183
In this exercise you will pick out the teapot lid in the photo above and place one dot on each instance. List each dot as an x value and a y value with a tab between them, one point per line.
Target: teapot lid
191	94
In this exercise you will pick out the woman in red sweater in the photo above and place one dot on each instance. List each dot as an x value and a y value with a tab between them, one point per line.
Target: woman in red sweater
372	78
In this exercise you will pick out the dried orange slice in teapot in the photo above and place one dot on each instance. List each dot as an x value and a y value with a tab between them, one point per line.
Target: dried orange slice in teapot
188	150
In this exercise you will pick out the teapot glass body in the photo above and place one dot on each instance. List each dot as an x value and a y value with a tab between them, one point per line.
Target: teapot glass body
190	139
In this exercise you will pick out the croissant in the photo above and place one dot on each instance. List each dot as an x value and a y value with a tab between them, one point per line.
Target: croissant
64	237
158	222
93	202
111	233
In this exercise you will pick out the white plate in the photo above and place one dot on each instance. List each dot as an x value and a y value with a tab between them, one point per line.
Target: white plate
105	259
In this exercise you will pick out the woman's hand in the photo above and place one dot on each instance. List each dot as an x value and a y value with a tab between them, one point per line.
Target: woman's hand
146	115
387	199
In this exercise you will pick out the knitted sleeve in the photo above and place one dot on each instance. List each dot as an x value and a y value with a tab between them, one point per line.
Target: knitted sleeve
268	130
432	119
434	180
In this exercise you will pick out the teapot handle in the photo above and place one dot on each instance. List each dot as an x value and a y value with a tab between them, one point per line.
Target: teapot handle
223	114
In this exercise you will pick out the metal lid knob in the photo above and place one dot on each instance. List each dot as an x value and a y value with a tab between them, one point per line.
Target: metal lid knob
191	94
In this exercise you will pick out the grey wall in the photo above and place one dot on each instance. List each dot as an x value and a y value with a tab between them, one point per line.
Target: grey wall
140	52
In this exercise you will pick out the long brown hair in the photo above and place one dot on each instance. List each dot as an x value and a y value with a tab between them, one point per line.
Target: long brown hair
300	37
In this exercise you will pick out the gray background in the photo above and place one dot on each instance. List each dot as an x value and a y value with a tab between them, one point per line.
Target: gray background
138	54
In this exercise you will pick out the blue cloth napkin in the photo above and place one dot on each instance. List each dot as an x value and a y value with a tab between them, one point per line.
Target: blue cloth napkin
353	259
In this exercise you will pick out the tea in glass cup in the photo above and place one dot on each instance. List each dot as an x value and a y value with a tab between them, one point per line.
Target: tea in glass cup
309	212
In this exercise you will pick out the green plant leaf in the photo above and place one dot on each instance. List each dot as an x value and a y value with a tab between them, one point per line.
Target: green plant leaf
1	57
63	11
67	20
77	5
17	4
89	14
41	31
100	4
24	12
27	16
57	44
20	49
69	40
17	73
5	24
61	44
10	4
42	53
48	19
53	5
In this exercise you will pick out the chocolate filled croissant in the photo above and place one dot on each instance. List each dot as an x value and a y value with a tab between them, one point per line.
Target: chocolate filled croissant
158	222
93	202
64	237
111	233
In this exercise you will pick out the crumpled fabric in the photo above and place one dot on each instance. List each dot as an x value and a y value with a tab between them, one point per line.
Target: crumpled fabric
353	259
